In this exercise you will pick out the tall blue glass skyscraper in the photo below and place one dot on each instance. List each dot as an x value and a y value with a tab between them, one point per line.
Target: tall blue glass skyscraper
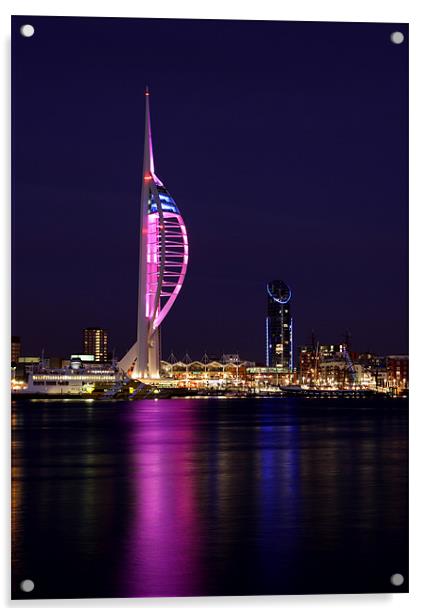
279	326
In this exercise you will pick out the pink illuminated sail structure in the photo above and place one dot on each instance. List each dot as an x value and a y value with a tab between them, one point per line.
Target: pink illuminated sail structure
163	260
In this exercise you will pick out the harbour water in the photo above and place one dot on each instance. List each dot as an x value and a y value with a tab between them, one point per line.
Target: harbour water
188	497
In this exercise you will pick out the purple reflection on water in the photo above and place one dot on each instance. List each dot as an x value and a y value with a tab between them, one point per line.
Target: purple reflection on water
209	497
162	550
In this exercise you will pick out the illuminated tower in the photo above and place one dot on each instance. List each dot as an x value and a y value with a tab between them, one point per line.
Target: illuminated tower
163	260
279	326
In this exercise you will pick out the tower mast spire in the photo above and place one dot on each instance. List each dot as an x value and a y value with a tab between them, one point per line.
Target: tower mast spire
148	153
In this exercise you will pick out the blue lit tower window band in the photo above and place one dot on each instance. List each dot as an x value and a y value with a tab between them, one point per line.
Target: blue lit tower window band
279	326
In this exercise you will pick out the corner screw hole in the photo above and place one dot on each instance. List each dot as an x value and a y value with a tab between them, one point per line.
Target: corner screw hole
27	30
397	38
27	585
397	579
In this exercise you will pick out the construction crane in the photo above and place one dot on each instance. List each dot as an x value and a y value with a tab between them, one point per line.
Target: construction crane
350	368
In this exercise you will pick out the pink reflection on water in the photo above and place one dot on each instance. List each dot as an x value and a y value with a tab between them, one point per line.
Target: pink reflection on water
162	552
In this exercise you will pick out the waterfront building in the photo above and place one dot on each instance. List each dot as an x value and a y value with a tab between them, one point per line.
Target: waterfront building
23	366
207	374
229	373
310	357
230	358
337	373
16	349
328	351
279	326
397	372
333	366
308	364
25	361
375	366
95	342
263	378
163	260
54	362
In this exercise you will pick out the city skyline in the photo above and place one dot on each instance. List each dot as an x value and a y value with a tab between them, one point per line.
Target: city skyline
331	219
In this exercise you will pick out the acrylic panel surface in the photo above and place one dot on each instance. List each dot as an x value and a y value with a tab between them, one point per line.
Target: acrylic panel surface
209	354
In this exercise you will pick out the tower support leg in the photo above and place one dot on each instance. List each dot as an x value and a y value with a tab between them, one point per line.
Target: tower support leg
154	355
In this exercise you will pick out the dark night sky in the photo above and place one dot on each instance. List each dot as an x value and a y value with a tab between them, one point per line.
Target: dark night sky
283	143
